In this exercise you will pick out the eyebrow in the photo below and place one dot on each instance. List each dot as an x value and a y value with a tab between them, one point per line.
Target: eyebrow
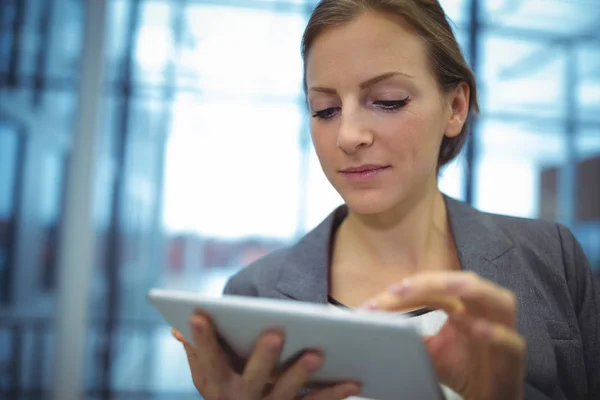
364	85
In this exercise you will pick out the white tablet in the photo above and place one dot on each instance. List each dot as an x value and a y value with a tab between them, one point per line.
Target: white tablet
379	350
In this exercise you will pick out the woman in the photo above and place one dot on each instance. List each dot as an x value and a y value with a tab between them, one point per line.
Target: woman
390	97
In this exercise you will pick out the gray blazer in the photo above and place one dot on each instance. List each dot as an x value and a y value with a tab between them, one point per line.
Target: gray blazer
541	262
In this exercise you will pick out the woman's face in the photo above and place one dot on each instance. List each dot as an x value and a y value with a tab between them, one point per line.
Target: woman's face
378	115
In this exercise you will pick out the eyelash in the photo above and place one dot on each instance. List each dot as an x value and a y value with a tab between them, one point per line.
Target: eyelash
385	105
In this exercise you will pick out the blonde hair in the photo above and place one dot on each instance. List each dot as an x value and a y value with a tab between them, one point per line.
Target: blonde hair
430	22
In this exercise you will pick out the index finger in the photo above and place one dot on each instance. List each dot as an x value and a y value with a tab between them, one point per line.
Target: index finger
209	358
336	392
451	291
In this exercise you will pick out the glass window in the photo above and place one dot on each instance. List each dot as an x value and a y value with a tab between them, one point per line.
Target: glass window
263	61
232	168
60	107
8	11
521	77
321	198
456	10
30	39
510	157
588	72
10	143
154	46
451	180
51	190
67	41
587	142
587	229
119	14
539	17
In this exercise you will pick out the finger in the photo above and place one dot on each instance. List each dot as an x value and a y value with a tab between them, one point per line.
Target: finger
337	392
178	336
485	299
189	350
413	293
507	349
510	346
295	377
501	340
261	364
198	377
211	362
451	291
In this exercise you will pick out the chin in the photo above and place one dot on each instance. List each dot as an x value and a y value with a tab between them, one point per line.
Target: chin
369	202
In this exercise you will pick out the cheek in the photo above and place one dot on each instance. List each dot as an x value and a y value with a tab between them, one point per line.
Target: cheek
322	142
415	141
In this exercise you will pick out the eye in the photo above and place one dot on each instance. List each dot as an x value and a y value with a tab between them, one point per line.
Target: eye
391	105
326	113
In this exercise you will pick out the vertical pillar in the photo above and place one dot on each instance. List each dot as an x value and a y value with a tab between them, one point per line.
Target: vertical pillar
76	258
568	173
304	142
473	56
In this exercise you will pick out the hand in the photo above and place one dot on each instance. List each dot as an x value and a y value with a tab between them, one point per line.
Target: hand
215	379
477	352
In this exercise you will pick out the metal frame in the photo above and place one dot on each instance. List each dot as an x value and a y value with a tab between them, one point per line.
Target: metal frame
76	253
473	55
7	283
114	250
17	27
42	52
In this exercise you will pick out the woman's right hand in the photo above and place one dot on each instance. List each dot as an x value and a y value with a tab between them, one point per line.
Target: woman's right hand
215	379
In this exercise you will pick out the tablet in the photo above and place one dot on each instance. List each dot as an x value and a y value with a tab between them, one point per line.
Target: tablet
381	351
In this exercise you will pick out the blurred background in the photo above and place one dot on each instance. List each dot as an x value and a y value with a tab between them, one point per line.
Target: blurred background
180	127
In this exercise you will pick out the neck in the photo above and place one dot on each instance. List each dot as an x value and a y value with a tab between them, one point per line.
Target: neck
413	236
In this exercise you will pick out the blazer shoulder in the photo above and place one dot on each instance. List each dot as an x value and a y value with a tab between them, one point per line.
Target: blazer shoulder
537	235
550	243
262	273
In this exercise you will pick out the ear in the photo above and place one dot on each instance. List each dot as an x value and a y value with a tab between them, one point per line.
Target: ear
459	109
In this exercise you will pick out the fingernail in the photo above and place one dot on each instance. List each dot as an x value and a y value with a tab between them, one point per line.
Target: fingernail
273	342
484	329
312	362
369	305
351	391
401	288
197	325
176	334
455	284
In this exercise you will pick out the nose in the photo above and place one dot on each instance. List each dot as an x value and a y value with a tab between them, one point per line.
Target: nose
353	134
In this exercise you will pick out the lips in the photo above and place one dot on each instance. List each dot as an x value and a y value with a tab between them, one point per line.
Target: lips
364	168
363	173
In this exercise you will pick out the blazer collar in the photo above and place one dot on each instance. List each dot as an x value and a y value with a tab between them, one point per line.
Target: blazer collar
480	243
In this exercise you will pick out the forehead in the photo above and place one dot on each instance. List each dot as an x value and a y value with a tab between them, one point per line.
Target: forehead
371	43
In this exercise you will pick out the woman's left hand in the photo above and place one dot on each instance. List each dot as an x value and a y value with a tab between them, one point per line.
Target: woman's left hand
477	352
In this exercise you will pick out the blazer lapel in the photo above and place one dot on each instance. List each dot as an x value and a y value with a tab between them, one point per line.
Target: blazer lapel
305	273
481	245
481	248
